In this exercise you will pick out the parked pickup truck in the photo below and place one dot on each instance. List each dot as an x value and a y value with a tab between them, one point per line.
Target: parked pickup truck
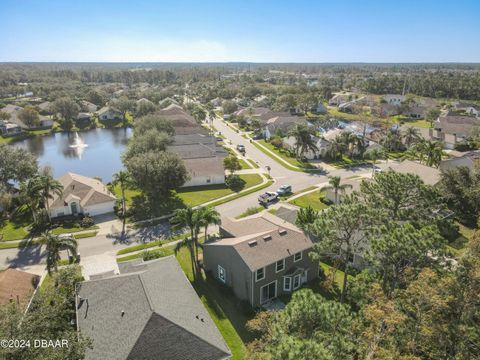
267	198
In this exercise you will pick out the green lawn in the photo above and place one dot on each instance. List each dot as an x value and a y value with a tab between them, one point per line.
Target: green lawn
312	199
226	310
85	235
250	211
162	252
199	195
244	164
13	230
253	163
345	161
67	230
141	247
293	163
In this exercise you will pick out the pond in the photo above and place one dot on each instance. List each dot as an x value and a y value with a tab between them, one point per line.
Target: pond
94	152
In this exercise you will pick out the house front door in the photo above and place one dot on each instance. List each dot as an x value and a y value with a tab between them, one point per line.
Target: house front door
73	207
268	292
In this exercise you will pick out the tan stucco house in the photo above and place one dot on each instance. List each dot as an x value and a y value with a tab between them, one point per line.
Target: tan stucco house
81	195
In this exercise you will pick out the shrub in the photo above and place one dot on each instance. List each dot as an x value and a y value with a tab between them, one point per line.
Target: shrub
87	222
277	142
235	182
152	254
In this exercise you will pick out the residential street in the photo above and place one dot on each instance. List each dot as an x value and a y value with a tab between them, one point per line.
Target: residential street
103	244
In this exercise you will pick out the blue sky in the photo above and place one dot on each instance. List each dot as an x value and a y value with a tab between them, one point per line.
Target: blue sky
258	31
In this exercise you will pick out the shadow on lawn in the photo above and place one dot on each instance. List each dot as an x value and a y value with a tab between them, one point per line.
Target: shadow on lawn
144	208
225	305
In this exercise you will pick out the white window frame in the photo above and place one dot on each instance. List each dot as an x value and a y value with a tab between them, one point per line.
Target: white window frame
220	271
276	290
256	275
299	277
289	288
283	265
295	255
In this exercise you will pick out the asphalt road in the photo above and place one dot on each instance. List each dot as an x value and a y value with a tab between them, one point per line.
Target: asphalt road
103	244
281	175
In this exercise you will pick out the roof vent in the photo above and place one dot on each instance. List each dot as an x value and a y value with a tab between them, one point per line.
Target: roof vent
267	237
282	231
252	243
123	313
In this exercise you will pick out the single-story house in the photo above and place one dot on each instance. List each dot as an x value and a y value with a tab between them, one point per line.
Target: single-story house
281	123
84	117
81	195
107	113
144	101
467	159
454	129
45	107
394	99
429	175
319	109
45	122
322	145
339	99
260	258
14	111
17	286
149	311
90	107
346	107
9	129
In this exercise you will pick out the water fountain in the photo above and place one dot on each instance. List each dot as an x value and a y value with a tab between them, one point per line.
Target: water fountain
78	145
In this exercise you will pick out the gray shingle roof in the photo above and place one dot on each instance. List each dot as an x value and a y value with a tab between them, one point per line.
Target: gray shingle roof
263	239
162	316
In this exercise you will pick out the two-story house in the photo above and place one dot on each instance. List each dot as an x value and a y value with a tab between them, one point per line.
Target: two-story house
260	257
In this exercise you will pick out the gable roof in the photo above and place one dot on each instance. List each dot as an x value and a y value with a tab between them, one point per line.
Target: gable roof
88	190
162	316
456	124
429	175
262	239
15	283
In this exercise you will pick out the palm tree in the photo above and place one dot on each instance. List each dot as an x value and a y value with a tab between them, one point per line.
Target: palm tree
337	148
392	141
336	186
349	141
122	178
304	140
55	244
208	216
189	244
374	155
30	196
188	218
48	188
411	135
433	152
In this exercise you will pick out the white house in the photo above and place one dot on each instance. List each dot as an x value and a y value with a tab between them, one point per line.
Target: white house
107	113
81	195
394	99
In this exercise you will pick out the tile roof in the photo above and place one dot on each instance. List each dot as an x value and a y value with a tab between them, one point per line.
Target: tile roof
150	313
